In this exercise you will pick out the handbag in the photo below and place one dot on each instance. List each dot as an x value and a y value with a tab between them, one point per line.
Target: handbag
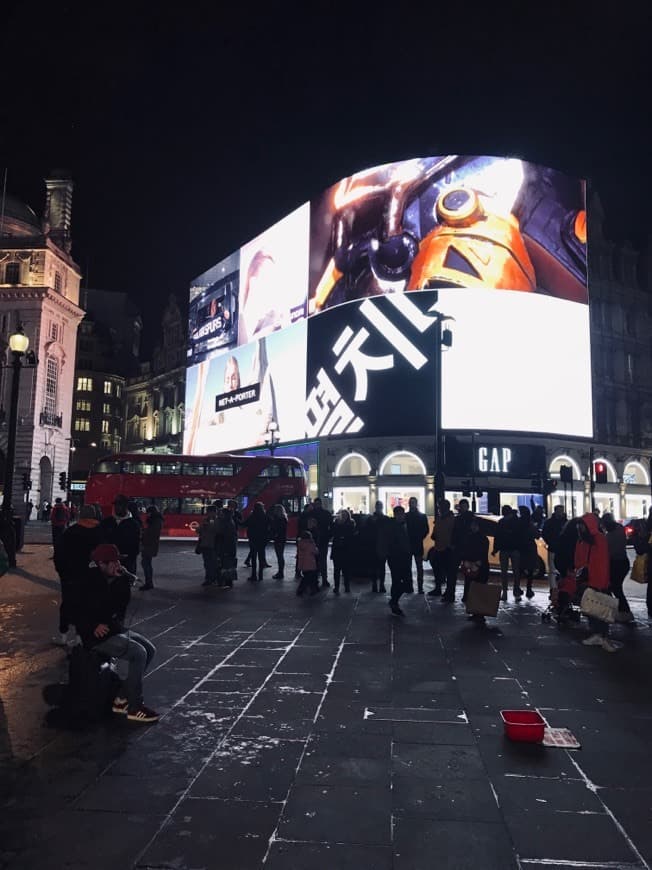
483	599
639	568
598	605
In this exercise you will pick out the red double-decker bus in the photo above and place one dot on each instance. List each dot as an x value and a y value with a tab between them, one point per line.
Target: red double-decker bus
182	487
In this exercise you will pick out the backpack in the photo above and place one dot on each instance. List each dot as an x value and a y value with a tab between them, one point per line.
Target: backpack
88	696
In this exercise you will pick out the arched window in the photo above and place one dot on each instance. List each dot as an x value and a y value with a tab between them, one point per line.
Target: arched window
636	474
402	462
553	468
351	465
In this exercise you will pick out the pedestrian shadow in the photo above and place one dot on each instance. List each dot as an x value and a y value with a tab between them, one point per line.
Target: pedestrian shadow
34	578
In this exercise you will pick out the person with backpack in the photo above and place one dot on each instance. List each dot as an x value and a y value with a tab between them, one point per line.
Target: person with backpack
103	601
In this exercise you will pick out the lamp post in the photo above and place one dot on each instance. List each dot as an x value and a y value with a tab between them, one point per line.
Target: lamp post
272	436
443	338
18	344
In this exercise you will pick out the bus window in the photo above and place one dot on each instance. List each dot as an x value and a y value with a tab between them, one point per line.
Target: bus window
193	469
270	471
168	467
222	470
108	466
165	505
292	505
194	505
138	467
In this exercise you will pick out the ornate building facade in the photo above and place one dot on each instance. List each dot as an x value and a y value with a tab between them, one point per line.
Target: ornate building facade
155	397
39	290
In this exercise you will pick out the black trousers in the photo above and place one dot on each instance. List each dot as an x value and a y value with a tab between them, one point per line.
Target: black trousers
418	558
279	549
400	568
258	559
618	570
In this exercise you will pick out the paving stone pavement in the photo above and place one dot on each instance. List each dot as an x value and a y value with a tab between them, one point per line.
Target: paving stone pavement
324	733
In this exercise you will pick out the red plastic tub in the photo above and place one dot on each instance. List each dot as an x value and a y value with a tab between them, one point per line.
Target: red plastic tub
524	726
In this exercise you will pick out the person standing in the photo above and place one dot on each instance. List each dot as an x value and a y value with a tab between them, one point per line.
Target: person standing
475	560
278	527
399	556
258	532
149	543
122	530
322	535
592	562
227	548
59	519
618	564
527	547
29	507
461	529
208	537
442	551
550	533
342	550
72	557
507	543
418	528
380	527
307	555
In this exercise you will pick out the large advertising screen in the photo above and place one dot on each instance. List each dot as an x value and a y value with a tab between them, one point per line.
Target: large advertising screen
497	245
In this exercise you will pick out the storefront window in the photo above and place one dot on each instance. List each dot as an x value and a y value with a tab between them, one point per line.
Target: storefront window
352	465
402	463
353	498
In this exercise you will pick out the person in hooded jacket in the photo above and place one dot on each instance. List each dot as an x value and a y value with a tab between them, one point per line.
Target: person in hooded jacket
592	562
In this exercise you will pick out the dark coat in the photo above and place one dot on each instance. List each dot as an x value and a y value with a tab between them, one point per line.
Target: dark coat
257	527
342	547
101	602
418	528
72	553
399	541
278	529
151	535
228	541
124	534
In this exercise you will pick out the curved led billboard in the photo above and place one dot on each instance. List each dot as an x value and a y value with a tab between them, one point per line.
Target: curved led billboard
340	297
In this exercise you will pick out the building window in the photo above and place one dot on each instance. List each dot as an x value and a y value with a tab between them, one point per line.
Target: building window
82	425
82	405
85	384
118	391
12	273
106	408
58	284
106	445
53	331
51	385
107	388
105	427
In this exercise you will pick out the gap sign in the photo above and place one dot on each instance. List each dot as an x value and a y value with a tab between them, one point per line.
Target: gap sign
507	460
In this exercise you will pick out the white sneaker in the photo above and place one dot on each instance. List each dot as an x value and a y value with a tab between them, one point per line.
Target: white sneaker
610	646
593	640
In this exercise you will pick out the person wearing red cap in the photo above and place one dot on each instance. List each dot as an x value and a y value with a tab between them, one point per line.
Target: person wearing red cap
103	601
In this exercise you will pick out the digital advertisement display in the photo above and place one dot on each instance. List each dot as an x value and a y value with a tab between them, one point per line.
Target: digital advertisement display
325	322
232	397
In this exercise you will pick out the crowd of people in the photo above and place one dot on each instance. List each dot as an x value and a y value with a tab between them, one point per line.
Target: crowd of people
96	559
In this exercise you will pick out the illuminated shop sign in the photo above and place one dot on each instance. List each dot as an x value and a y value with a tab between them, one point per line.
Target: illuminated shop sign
465	457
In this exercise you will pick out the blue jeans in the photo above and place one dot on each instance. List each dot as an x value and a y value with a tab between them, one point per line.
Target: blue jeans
138	652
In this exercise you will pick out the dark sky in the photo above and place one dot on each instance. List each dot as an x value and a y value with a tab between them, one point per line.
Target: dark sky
190	130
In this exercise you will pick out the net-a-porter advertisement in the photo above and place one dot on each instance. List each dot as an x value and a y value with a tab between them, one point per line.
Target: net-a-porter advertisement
329	314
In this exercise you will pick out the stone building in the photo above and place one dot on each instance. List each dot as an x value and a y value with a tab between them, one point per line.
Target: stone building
108	347
39	289
155	397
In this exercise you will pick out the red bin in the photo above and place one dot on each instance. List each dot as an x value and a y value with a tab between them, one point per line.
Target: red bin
524	726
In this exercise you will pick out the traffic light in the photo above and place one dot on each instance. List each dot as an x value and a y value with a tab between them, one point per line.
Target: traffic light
566	473
63	482
600	472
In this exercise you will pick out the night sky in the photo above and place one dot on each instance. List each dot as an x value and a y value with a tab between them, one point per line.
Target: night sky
189	131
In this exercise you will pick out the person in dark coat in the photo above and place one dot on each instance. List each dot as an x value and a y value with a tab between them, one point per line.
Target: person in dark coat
103	601
342	550
618	564
122	530
399	557
72	556
258	532
228	549
551	531
475	560
418	528
278	529
507	543
380	526
322	536
461	529
528	548
149	542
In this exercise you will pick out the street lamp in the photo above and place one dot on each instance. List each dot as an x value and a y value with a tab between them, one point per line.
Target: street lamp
443	338
18	345
272	436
